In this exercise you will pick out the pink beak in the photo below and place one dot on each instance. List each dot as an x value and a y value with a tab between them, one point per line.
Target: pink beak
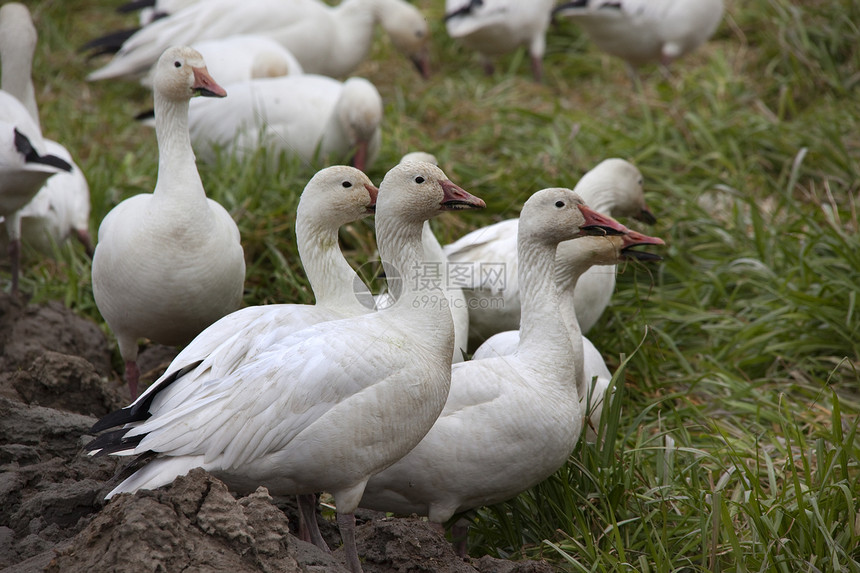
457	198
204	84
598	224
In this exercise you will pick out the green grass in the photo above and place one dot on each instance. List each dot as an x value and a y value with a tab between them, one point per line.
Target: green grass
732	444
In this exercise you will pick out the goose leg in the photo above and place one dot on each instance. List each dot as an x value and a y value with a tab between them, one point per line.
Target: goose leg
15	262
346	524
460	536
132	377
309	529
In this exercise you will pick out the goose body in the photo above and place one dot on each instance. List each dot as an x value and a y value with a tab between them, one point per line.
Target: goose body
613	187
508	422
646	31
168	263
327	40
571	266
301	417
497	27
310	116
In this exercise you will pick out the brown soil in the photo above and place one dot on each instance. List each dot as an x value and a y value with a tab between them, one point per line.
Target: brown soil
56	379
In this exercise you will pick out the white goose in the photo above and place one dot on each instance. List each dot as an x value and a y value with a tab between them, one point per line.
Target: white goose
497	27
613	187
508	422
438	263
61	208
327	40
151	10
303	416
572	264
645	31
26	163
314	117
168	263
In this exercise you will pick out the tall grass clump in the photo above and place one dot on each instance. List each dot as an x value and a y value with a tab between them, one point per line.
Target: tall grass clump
731	442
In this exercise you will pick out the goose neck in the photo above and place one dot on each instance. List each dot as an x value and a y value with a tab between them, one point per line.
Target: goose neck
332	279
17	79
177	168
543	333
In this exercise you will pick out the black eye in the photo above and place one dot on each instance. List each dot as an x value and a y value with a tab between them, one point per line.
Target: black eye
559	204
419	179
177	64
641	182
346	184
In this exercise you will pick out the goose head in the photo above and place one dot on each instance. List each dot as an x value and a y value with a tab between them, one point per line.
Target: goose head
621	190
181	74
360	111
417	191
408	30
336	196
558	214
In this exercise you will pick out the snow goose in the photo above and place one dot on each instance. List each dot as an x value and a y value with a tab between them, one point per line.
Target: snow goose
327	40
497	27
62	207
643	31
507	423
303	416
26	162
314	117
613	187
437	264
571	266
168	263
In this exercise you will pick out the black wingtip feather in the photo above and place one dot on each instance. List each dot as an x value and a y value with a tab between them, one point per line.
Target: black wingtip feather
135	5
109	43
25	148
113	441
139	411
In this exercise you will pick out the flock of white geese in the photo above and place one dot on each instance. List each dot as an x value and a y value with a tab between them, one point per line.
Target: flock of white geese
368	400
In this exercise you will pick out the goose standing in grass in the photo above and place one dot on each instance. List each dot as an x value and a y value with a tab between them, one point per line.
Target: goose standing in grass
613	187
321	409
168	263
327	40
645	31
508	422
26	162
314	117
498	27
573	259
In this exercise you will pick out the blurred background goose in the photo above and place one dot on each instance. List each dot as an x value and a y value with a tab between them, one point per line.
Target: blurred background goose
497	27
313	117
27	161
327	40
645	31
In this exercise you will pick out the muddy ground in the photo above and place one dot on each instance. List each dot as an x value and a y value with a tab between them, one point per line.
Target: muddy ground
56	379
